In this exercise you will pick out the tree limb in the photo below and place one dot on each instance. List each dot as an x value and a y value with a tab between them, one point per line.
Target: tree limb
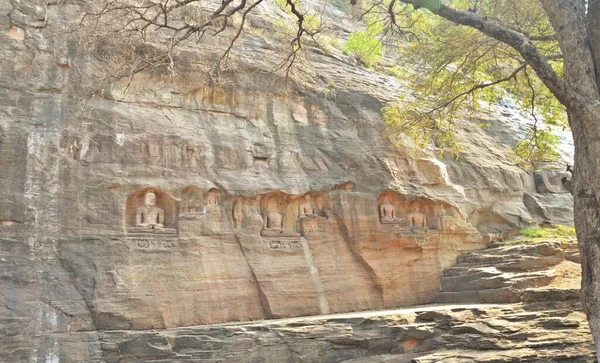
514	39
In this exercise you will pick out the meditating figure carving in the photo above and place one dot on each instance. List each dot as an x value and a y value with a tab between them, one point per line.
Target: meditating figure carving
211	200
387	212
274	221
149	215
306	208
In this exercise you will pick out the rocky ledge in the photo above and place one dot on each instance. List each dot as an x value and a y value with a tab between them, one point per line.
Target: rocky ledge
537	317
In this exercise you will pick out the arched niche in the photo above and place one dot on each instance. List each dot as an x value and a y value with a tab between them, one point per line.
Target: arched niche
280	212
164	201
396	208
192	199
212	197
245	214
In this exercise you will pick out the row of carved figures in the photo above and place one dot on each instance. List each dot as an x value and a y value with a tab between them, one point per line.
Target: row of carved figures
415	219
150	218
247	212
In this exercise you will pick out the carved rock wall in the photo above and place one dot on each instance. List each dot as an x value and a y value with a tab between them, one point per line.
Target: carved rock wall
269	201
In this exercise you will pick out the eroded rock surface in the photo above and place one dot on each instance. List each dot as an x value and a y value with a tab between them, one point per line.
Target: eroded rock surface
269	200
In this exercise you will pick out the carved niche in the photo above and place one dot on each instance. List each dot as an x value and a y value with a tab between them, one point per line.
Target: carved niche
212	200
215	220
203	213
279	216
312	216
191	200
151	212
416	215
246	215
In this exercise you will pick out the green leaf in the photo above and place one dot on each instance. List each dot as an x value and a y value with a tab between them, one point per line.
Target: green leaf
364	46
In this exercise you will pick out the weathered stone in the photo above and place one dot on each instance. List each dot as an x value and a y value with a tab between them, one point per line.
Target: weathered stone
171	201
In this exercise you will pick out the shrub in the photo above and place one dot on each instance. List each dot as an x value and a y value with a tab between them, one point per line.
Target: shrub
557	231
365	47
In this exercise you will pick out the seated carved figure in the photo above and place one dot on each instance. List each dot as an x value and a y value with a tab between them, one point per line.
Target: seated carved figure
387	212
274	221
211	202
253	221
306	209
149	215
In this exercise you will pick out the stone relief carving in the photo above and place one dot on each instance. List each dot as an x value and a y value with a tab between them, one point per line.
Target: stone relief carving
149	244
246	216
238	214
253	220
418	220
191	200
283	244
203	214
273	223
150	213
306	208
212	199
276	214
418	215
312	216
276	209
387	213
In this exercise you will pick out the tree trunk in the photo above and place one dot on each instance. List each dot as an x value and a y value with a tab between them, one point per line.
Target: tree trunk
587	220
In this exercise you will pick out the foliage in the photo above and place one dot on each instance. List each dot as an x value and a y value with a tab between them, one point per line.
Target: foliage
460	71
553	231
364	45
538	234
541	146
421	130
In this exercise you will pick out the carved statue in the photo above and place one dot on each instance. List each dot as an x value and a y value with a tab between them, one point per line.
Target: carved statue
387	211
306	208
212	199
149	215
274	221
417	219
238	214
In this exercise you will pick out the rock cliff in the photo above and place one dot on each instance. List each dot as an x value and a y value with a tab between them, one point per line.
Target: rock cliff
167	200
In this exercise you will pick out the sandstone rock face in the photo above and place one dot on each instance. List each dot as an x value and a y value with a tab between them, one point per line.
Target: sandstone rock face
268	202
470	333
541	320
510	274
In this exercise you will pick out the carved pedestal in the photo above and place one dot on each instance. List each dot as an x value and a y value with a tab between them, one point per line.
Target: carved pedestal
285	243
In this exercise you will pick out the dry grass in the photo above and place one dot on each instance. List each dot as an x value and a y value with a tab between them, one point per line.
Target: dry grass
568	276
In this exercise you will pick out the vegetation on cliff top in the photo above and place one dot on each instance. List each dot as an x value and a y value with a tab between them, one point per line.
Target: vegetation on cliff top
538	234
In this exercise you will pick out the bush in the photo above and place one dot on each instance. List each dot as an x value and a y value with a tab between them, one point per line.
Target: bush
557	231
365	47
